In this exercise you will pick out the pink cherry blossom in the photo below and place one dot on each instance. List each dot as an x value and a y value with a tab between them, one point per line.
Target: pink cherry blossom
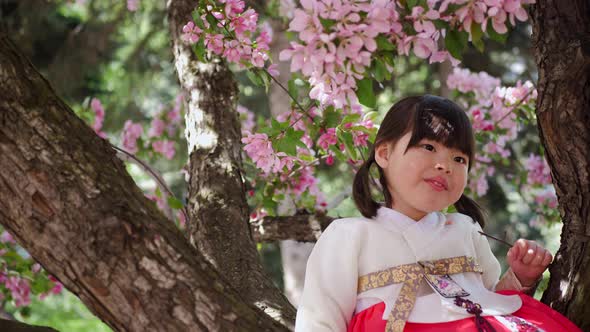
131	132
157	128
259	149
165	147
132	5
548	198
328	138
99	113
247	120
6	238
174	116
20	290
233	7
538	170
214	43
273	70
191	32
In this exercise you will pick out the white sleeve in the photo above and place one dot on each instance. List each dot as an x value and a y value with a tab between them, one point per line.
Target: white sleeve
486	259
329	292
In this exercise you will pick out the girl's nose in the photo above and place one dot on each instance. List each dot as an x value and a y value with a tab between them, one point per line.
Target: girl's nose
443	167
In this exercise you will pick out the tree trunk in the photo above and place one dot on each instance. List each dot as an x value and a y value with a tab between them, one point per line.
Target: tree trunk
217	206
70	203
561	39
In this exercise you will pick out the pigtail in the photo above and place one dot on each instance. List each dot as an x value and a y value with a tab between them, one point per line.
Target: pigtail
361	189
469	207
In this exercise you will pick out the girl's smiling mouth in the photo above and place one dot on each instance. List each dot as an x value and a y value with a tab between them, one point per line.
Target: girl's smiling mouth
438	183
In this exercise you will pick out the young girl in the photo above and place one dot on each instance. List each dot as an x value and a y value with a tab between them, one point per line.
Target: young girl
406	266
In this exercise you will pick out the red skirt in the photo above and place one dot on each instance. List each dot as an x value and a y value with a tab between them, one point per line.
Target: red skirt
533	315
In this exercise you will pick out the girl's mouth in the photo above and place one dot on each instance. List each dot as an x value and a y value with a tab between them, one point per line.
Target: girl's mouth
437	184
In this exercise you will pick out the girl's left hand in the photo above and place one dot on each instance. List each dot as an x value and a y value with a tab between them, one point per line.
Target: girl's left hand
528	260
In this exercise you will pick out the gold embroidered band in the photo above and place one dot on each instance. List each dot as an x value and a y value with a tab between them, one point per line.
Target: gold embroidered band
411	275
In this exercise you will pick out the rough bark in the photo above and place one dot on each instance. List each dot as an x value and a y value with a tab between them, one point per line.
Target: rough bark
303	228
70	203
561	39
217	206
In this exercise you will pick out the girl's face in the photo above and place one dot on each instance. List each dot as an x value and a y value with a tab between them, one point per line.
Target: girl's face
428	177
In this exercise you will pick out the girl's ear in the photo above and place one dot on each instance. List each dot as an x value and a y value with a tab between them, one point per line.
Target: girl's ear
382	155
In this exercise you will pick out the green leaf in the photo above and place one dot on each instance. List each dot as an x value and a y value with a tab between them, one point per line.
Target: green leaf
388	58
337	152
294	135
346	138
200	50
384	44
269	204
451	209
371	115
275	124
255	78
440	24
363	129
286	144
292	87
331	117
175	203
365	92
455	42
351	118
411	4
198	21
265	77
476	34
211	19
380	71
40	285
327	24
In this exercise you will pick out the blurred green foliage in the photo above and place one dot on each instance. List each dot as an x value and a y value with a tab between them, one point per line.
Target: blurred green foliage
63	312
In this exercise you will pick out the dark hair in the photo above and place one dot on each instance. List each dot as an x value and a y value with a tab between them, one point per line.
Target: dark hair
427	117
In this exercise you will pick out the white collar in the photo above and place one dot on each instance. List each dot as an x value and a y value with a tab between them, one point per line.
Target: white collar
399	222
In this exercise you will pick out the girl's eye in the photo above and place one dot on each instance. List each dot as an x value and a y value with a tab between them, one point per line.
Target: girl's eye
461	160
428	147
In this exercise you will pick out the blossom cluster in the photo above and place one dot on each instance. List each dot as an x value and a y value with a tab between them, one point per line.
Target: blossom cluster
13	284
233	35
288	175
339	39
99	114
492	110
163	128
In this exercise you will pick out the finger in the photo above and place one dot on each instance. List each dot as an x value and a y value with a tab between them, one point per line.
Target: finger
510	255
522	246
548	258
517	250
530	253
539	257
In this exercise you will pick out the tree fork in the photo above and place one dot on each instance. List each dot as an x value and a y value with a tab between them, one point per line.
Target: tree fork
68	200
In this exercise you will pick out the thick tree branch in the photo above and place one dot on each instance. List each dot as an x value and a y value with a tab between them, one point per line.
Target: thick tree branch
68	200
303	228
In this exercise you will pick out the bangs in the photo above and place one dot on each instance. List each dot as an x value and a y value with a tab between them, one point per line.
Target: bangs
443	121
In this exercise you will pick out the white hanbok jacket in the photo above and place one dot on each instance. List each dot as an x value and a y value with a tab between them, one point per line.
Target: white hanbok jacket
352	247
